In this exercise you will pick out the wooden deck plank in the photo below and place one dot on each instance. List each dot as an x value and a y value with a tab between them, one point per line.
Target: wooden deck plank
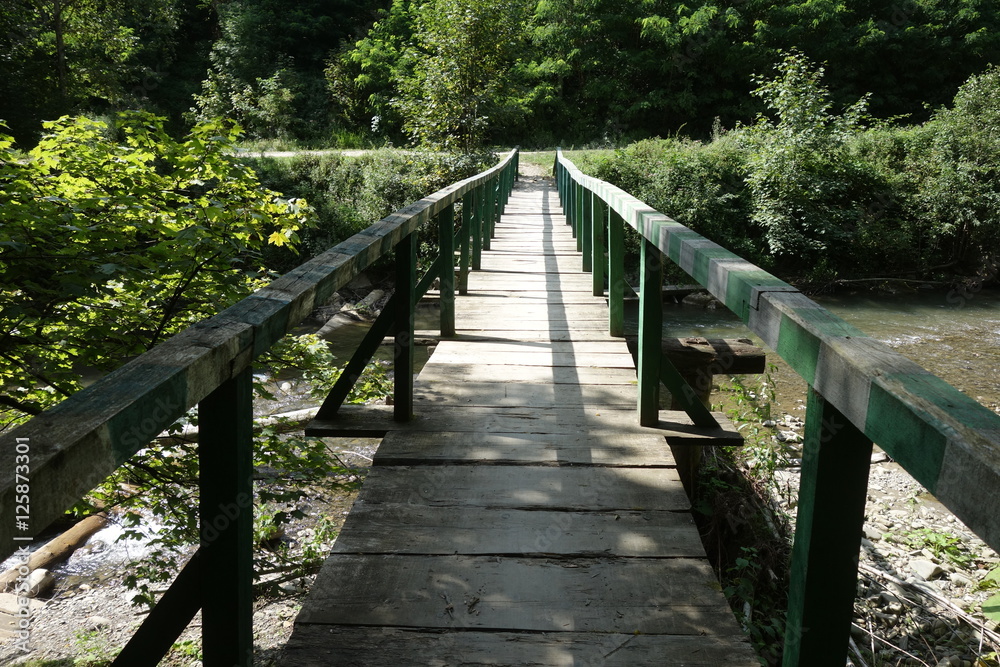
524	394
392	646
377	420
456	447
572	488
647	596
429	530
434	374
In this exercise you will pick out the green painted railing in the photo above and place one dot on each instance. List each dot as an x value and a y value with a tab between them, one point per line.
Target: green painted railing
65	452
860	392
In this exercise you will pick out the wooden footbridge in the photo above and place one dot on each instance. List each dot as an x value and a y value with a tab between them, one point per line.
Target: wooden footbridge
525	506
522	516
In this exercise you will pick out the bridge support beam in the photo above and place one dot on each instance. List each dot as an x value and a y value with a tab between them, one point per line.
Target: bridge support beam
835	462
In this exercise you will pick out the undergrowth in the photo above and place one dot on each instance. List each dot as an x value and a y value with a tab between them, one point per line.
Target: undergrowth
747	536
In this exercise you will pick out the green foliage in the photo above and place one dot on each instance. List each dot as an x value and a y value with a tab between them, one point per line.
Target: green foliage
351	193
942	545
107	248
808	193
459	80
832	199
749	599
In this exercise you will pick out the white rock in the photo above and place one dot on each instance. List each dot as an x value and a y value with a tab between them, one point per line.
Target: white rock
925	569
39	582
960	579
92	623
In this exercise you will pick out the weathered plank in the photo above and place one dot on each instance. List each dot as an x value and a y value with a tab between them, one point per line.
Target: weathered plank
584	488
516	348
597	447
376	421
434	374
525	394
632	596
428	530
538	358
390	647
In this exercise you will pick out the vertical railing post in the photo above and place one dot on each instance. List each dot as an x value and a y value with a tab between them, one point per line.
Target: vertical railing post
405	296
571	196
598	223
587	231
650	333
468	209
477	227
578	217
225	455
835	462
489	211
616	273
446	231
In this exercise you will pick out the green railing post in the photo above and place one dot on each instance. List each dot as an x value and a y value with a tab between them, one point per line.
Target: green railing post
468	210
225	454
598	225
489	211
446	231
406	278
578	216
650	333
824	571
587	231
616	273
477	226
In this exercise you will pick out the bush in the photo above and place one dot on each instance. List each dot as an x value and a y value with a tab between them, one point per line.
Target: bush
351	193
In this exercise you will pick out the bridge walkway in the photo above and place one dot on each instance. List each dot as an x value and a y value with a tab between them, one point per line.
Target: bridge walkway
522	517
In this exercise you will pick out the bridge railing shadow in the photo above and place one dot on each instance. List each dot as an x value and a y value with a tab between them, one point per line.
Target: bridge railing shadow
860	392
78	443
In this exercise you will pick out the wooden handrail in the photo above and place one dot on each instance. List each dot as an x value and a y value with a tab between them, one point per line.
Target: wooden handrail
79	442
860	391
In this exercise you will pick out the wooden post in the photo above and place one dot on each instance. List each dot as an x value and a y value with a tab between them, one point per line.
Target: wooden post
616	273
477	227
489	212
406	278
578	217
446	230
468	206
650	333
824	571
225	454
587	231
598	222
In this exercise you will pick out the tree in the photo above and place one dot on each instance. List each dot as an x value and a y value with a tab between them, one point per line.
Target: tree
461	64
108	248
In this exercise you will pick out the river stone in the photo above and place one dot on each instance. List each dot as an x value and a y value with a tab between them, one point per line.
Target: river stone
9	604
925	569
93	623
872	533
961	579
39	582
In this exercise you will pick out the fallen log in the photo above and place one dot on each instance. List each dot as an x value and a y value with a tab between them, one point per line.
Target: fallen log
57	549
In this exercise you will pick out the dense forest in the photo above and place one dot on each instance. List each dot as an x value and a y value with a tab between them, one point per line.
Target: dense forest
458	73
